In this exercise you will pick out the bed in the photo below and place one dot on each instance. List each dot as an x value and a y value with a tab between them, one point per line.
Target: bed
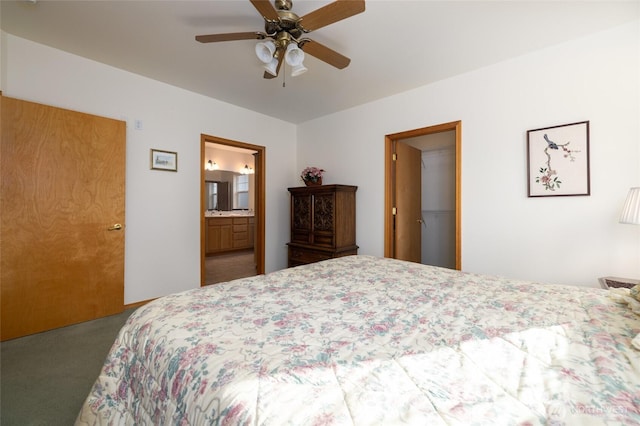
361	340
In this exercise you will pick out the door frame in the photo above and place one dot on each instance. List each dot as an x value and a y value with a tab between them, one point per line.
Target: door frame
390	183
259	210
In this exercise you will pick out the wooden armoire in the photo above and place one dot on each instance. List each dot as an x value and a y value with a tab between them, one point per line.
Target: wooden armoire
323	223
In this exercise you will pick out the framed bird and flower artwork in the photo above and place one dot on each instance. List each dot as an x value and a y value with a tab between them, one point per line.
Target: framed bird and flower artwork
558	160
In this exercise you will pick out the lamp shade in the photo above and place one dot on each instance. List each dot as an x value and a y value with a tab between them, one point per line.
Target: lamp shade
265	50
294	55
297	70
272	67
631	209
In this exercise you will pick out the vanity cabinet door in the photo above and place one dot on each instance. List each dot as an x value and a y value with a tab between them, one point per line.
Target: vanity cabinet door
219	234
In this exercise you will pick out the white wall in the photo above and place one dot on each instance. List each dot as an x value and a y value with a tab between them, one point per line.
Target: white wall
162	249
233	161
570	240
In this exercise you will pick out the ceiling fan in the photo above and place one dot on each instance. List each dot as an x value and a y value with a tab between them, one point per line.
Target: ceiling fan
282	39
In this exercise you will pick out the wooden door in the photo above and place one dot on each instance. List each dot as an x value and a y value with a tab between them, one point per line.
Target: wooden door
408	191
63	176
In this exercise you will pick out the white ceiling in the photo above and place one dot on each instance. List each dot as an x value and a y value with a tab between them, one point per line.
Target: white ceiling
394	46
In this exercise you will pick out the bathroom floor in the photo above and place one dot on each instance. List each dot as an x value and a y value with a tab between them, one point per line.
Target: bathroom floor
230	266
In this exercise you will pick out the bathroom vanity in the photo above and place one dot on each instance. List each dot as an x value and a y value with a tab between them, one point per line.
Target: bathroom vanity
228	232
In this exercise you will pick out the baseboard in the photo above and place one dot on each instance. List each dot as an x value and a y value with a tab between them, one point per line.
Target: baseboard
137	304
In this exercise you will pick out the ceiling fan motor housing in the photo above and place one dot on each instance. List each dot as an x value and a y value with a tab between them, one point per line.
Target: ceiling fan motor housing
287	21
283	4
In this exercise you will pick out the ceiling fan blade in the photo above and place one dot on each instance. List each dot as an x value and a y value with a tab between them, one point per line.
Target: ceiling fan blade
210	38
333	12
325	54
269	76
266	9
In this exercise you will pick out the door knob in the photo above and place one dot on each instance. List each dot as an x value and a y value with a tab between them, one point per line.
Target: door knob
115	227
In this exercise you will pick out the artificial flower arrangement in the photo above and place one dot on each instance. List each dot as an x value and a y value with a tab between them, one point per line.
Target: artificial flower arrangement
312	176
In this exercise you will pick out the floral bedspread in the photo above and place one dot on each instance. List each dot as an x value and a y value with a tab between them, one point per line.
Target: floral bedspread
366	341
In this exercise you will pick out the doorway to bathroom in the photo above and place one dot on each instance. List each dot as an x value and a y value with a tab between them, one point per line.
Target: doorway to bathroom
232	230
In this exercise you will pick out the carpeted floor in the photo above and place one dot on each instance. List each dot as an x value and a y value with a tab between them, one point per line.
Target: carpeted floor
47	376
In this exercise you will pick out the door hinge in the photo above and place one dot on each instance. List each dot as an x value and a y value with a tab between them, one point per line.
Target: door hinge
393	211
394	157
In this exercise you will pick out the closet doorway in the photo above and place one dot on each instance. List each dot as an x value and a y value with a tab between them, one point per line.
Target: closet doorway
422	195
232	218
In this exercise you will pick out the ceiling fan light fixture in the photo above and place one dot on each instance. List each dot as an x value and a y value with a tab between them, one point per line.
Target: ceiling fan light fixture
297	70
283	30
272	67
265	50
294	55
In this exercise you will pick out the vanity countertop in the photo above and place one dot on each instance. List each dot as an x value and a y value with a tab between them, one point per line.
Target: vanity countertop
228	214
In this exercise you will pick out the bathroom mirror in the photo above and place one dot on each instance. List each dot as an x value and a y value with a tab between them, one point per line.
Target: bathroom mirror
226	190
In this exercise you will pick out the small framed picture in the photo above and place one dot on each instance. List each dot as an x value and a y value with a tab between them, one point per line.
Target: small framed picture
558	160
164	160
